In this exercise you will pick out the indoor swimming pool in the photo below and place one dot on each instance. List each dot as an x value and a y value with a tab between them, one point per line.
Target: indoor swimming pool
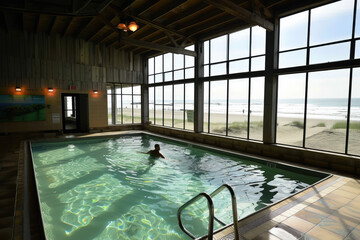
107	188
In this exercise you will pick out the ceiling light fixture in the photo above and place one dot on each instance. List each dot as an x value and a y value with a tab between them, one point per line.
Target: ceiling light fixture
126	25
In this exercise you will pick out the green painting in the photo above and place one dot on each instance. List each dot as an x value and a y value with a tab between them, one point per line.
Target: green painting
21	108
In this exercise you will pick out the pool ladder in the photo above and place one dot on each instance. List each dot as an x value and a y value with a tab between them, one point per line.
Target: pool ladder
210	203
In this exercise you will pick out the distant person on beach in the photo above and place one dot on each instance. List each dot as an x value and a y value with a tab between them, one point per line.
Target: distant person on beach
156	152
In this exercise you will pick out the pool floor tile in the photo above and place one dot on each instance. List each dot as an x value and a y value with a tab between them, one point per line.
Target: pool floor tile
312	214
284	232
266	236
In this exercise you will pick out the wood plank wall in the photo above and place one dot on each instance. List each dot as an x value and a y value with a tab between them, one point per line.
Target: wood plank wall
37	60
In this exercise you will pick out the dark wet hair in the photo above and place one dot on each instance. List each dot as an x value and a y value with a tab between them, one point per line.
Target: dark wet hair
157	145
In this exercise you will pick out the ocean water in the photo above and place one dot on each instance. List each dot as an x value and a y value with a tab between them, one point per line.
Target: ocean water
325	108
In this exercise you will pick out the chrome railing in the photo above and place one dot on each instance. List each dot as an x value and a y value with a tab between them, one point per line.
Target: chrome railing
211	212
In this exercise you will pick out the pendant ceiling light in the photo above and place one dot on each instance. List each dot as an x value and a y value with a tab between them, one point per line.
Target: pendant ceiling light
128	25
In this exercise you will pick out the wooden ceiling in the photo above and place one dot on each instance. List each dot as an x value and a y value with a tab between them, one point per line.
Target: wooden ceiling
165	25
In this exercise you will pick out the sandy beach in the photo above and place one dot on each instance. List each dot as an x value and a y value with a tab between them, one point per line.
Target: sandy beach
322	134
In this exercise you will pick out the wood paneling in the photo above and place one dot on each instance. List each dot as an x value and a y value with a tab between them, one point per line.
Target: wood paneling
37	60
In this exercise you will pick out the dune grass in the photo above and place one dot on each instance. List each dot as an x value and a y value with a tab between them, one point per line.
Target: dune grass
343	124
297	124
320	125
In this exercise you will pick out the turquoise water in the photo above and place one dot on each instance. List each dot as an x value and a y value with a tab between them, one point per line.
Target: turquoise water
107	189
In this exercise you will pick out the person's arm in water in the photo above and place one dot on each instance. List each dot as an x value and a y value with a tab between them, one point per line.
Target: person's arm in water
161	155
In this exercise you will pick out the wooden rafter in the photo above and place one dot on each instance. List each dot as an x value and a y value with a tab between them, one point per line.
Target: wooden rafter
140	43
239	12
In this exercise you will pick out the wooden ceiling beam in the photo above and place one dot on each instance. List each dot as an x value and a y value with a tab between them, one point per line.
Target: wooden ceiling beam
140	43
239	12
68	28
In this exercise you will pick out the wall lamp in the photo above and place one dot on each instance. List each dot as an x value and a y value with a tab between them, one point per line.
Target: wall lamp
50	90
96	91
18	89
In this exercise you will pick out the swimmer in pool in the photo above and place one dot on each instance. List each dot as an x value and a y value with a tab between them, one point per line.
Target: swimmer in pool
156	152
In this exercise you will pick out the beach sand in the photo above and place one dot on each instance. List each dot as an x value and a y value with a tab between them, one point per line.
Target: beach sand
320	133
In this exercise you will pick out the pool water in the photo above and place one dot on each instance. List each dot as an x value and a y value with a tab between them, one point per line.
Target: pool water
108	189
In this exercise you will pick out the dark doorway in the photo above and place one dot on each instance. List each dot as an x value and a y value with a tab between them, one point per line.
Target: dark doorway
75	112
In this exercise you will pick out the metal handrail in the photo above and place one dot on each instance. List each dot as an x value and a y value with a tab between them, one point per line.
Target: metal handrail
211	214
234	207
211	211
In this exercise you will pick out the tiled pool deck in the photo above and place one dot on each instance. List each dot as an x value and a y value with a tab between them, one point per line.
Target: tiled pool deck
329	210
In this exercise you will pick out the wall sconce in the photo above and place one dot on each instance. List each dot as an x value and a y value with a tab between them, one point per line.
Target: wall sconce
96	92
126	25
50	90
18	89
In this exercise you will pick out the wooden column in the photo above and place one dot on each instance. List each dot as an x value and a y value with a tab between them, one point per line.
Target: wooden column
271	81
199	89
145	95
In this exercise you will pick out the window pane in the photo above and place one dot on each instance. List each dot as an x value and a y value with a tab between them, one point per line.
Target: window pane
179	74
218	69
357	48
159	64
137	89
168	105
258	64
127	109
292	59
179	106
354	132
117	89
118	109
206	70
206	52
256	108
238	107
258	40
332	22
206	106
158	78
137	109
189	73
189	61
239	66
151	79
330	53
239	45
178	61
159	95
151	104
168	62
168	76
293	31
327	107
151	66
159	115
126	89
291	109
218	94
218	49
109	107
357	25
189	106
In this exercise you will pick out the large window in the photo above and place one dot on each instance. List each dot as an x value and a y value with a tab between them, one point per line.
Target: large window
319	35
170	67
124	103
172	105
235	107
242	51
319	109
